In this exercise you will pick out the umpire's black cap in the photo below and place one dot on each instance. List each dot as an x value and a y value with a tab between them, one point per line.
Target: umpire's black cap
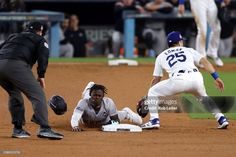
35	26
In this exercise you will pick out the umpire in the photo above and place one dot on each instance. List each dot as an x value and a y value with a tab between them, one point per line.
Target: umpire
18	54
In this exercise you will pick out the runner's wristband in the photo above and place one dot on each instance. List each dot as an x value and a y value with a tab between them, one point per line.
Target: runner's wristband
215	75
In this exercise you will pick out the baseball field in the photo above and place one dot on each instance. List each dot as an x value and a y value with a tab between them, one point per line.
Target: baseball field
179	134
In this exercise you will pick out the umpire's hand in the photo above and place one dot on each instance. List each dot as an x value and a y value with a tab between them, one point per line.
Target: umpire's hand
42	82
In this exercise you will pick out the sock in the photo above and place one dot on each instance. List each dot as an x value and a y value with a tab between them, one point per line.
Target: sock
154	115
17	126
218	115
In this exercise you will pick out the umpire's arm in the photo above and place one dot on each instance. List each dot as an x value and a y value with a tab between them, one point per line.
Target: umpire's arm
43	55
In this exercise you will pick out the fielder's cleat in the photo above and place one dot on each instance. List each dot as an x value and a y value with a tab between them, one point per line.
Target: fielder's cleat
49	133
218	62
110	56
152	124
223	123
20	133
133	117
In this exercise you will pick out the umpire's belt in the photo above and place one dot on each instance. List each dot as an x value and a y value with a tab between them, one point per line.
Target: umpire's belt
185	71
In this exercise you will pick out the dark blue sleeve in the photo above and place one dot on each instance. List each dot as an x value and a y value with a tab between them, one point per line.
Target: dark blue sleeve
43	55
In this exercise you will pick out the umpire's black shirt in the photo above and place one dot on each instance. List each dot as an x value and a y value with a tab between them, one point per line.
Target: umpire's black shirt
28	47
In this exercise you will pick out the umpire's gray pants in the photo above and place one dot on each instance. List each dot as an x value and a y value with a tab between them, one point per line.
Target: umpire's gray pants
16	77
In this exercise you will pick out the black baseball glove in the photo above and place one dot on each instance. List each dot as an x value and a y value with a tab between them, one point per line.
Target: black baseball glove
142	108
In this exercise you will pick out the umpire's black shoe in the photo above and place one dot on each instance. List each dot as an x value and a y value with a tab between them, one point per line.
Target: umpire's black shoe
49	133
20	133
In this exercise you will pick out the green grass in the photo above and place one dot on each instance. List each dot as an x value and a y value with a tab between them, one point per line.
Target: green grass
104	60
197	110
229	81
210	116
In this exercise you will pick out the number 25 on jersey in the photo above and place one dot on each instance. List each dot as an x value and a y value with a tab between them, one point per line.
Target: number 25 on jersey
176	57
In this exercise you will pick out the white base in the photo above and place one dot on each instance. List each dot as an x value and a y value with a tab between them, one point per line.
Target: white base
121	127
117	62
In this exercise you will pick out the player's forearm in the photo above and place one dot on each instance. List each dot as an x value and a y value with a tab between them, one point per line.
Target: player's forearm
76	118
207	65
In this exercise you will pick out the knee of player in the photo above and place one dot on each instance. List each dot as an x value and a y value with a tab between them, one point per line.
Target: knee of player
203	34
218	29
16	102
151	92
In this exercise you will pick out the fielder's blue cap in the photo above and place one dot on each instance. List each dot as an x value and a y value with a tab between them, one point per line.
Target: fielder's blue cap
174	37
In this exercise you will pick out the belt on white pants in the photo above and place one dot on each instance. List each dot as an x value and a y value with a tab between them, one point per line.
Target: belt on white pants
185	71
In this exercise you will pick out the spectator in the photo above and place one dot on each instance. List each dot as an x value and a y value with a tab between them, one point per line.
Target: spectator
205	12
9	27
76	36
226	34
17	5
140	26
12	5
5	6
66	48
117	36
154	32
226	39
142	3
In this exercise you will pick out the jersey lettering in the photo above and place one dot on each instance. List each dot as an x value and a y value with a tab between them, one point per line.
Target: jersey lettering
174	58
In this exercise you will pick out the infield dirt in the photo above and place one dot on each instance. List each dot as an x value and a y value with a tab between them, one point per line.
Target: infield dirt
178	136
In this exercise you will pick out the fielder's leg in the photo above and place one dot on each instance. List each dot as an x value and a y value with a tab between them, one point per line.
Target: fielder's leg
116	43
214	38
210	105
199	12
162	88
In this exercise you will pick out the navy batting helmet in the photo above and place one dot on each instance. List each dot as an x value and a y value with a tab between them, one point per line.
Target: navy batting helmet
58	104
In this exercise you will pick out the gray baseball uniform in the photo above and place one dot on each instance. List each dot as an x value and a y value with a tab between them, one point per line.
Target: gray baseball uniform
93	119
85	112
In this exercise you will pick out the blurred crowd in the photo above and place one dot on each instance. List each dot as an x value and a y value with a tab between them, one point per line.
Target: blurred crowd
150	34
8	27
